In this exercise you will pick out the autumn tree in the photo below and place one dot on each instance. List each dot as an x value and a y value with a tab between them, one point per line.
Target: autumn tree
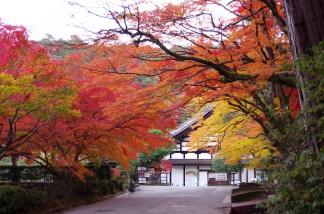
116	119
32	93
236	135
113	115
244	59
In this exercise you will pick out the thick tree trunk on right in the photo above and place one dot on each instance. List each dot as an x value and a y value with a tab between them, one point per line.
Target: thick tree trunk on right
305	22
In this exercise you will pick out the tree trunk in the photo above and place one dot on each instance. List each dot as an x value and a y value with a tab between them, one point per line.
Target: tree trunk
15	173
305	22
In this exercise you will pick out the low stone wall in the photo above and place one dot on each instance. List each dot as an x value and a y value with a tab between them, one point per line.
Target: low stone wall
244	200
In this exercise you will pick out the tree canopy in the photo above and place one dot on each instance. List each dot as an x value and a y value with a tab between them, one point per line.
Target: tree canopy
243	58
63	112
63	108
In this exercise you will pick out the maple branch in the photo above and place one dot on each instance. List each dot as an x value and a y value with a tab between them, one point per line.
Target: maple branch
257	118
272	5
205	85
18	60
140	36
244	18
284	78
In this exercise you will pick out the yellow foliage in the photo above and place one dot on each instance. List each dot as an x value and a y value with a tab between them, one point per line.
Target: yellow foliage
234	136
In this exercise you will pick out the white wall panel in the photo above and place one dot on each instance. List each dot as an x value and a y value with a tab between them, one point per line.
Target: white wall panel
191	156
204	156
177	156
203	179
177	176
191	176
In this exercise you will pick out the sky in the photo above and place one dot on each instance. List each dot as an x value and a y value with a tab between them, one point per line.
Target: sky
55	17
41	17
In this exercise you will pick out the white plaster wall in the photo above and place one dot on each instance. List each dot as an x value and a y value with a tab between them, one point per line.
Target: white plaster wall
203	179
204	156
250	173
184	148
191	176
237	178
169	177
177	156
244	175
251	176
191	156
177	176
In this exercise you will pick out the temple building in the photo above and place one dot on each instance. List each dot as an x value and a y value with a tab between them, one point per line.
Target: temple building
194	168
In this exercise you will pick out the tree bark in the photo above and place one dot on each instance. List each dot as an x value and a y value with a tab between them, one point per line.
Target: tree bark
305	22
15	174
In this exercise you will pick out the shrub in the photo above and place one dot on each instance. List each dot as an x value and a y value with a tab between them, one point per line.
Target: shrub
119	185
104	188
113	188
300	188
13	199
36	198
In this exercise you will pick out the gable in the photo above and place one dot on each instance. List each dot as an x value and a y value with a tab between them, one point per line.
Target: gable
186	128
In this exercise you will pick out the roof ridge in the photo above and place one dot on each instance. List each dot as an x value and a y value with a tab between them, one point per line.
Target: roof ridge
192	120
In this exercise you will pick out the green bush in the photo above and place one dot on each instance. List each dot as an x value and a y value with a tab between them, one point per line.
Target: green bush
300	188
113	188
104	188
36	198
119	185
110	187
13	199
299	182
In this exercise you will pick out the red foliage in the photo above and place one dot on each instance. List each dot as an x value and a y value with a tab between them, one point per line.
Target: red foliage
166	165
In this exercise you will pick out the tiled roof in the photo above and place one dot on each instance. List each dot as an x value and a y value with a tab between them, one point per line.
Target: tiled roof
191	121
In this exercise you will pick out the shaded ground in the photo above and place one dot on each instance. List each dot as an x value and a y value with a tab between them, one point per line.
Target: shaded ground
161	199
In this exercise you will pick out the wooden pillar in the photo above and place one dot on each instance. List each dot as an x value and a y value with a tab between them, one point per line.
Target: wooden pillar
184	175
198	175
254	174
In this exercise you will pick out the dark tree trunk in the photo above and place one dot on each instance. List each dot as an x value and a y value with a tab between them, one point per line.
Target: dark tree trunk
305	22
15	173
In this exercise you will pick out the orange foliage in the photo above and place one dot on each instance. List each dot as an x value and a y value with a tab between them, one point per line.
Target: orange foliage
117	114
202	56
